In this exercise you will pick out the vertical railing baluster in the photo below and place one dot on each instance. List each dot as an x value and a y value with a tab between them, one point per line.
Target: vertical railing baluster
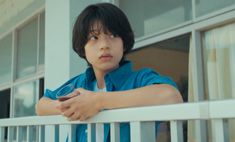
200	130
63	132
10	134
217	130
2	132
91	132
41	137
71	132
37	133
135	131
115	132
52	133
176	131
143	131
29	134
19	134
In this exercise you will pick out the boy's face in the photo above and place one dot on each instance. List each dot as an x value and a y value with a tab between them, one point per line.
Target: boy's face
103	50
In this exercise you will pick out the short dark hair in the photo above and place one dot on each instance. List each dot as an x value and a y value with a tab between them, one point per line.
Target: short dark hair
111	18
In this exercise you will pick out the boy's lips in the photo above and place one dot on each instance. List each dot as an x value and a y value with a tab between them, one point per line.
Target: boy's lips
106	56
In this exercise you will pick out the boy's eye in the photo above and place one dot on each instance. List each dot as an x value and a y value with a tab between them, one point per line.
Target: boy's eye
93	37
113	35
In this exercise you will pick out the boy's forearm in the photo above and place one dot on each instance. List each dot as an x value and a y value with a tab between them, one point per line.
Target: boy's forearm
149	95
46	106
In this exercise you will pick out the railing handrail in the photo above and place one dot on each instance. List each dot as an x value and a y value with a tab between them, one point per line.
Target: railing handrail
185	111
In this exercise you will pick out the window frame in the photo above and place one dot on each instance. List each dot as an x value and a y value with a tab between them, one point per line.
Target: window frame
35	77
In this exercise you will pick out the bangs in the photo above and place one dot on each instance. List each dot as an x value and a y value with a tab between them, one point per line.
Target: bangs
97	22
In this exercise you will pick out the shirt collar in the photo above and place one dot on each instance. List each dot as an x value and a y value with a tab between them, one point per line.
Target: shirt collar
117	77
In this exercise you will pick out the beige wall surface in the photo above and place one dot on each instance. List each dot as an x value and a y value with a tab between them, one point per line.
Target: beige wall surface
168	62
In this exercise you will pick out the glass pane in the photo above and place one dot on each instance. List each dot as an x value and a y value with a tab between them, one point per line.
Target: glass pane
219	57
5	58
24	99
41	87
148	17
5	103
42	41
205	6
27	50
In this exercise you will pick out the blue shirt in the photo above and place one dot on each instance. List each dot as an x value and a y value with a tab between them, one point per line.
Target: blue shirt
123	78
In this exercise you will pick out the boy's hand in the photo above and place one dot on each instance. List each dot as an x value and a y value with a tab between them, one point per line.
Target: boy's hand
81	107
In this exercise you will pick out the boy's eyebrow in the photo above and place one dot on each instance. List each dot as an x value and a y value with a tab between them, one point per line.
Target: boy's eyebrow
96	32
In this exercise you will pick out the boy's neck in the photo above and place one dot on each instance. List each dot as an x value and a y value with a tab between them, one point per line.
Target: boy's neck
99	75
100	79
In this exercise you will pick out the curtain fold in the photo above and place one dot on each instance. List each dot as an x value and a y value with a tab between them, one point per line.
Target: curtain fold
191	124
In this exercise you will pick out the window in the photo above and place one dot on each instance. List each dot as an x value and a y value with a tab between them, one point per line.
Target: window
149	17
22	66
22	72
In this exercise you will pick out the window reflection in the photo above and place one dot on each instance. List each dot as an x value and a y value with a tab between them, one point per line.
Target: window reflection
27	49
24	99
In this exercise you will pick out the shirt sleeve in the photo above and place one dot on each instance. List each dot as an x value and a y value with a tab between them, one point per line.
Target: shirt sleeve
74	82
52	94
150	77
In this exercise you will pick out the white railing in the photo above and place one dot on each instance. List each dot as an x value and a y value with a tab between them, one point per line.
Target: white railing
141	122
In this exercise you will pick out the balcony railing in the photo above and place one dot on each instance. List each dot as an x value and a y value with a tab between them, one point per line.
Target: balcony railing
141	119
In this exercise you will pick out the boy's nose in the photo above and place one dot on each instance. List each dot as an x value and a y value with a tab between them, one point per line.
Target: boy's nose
104	43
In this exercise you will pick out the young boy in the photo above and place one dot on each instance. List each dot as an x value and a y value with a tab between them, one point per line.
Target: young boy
102	36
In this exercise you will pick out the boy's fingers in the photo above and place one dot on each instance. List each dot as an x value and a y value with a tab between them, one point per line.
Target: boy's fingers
68	113
68	102
64	109
75	116
83	118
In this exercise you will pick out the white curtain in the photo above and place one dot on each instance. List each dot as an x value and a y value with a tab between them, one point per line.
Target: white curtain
191	69
219	50
219	69
219	54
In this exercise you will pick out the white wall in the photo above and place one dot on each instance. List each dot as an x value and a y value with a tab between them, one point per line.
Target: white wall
61	63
